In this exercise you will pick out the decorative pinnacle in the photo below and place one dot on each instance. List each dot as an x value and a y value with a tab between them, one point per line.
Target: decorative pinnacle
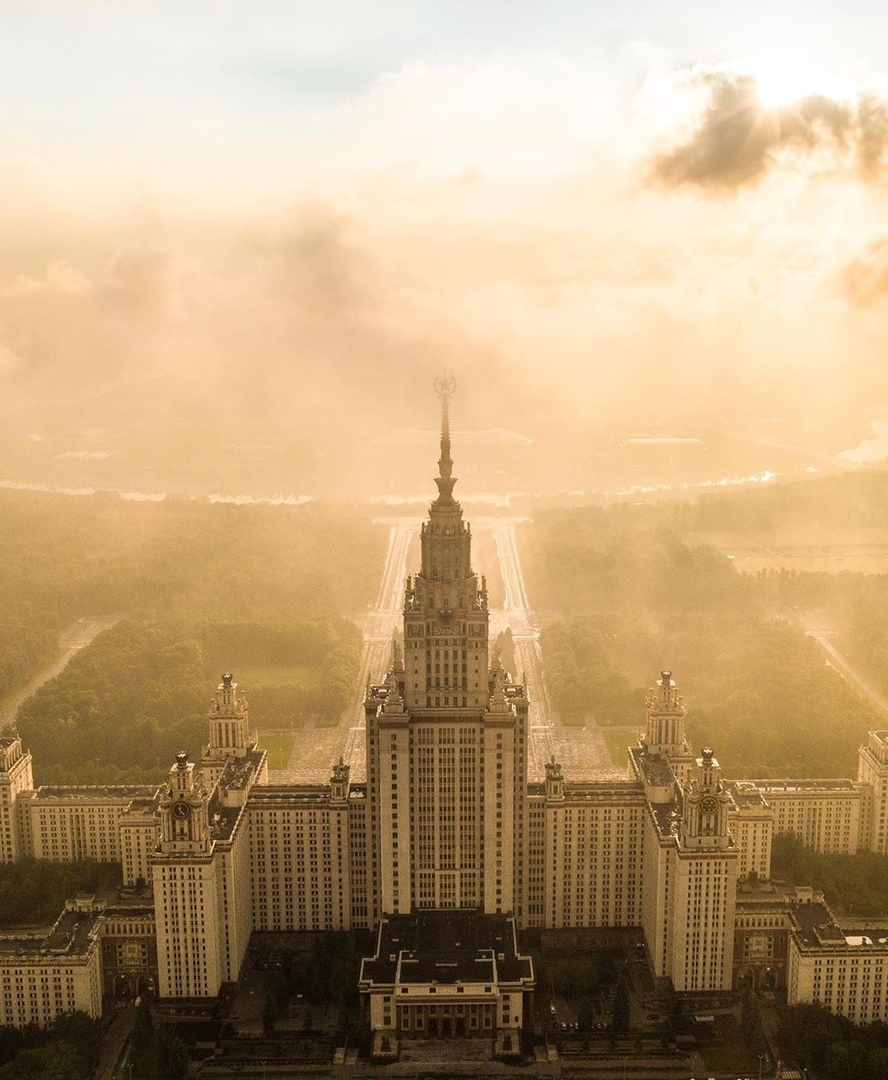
397	655
445	388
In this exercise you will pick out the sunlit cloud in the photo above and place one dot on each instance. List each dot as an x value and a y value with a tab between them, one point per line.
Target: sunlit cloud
746	124
864	279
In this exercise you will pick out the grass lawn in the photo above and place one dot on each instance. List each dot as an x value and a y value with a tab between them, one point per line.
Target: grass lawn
279	745
736	1054
617	739
250	675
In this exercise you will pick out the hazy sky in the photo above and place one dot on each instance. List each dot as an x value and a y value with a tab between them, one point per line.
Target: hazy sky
611	203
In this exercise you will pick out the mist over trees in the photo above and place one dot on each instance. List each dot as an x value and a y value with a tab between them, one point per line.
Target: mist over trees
203	588
629	590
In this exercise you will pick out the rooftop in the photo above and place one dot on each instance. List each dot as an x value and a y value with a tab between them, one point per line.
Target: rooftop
655	770
240	772
70	936
746	795
446	948
118	793
607	788
795	784
290	794
222	818
816	925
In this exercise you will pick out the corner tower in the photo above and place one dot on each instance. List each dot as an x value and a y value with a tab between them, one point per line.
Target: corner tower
665	734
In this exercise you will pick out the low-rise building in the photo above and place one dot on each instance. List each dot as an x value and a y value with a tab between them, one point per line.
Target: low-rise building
842	964
446	974
44	973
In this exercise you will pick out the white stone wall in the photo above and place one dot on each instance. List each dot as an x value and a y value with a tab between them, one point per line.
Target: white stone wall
849	982
37	989
298	872
594	860
701	917
188	931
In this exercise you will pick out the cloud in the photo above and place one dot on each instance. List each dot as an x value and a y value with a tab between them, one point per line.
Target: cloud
737	140
864	279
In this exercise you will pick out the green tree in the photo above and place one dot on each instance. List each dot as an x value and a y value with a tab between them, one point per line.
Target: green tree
269	1016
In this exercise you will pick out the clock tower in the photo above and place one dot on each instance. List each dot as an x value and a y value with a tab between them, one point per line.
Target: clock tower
183	811
703	879
705	808
185	875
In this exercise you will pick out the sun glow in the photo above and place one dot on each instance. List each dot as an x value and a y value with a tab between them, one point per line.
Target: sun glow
781	83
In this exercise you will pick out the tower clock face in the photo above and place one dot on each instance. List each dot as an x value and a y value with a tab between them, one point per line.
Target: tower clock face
708	804
181	810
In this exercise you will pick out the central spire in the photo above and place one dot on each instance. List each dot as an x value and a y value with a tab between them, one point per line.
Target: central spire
445	387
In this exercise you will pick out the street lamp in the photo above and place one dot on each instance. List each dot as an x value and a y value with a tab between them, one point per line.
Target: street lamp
762	1058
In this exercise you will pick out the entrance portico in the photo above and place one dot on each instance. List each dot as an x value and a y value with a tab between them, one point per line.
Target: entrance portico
446	975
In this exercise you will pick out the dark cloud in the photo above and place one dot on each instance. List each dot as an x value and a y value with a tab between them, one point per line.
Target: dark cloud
864	280
738	139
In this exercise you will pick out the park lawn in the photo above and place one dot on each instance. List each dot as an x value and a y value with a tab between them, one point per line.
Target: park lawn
279	745
617	739
736	1054
252	675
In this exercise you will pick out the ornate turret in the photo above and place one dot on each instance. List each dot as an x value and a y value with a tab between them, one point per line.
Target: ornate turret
229	722
665	733
706	804
183	810
554	780
339	782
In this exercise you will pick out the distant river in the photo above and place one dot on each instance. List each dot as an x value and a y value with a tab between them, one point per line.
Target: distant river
159	496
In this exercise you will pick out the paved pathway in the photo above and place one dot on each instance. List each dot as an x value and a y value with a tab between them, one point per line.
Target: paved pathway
822	635
71	641
583	753
113	1041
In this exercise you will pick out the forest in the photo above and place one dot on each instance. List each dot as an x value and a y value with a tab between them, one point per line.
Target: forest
854	886
35	890
66	1050
142	690
264	591
625	592
818	1040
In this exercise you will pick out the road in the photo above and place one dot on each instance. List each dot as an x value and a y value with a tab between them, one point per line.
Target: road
582	752
822	635
316	748
113	1041
71	641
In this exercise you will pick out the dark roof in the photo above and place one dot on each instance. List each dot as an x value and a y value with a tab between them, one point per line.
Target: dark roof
654	769
816	925
446	947
70	936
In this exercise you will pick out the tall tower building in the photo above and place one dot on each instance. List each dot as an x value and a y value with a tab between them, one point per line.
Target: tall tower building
16	777
704	884
231	740
872	780
185	891
446	734
665	734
